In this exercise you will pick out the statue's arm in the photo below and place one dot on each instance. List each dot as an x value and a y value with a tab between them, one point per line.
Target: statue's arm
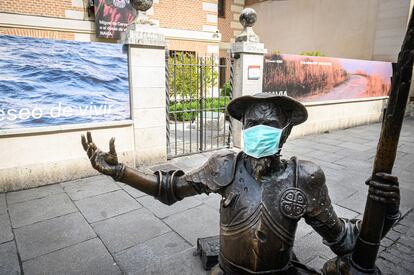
174	185
168	187
338	233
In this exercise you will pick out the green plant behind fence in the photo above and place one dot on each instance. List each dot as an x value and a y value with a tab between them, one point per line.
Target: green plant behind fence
186	73
190	109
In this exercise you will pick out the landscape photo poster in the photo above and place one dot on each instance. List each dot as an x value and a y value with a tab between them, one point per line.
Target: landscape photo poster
112	17
315	79
54	82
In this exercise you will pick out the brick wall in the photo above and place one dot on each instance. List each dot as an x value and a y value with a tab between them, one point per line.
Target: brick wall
37	33
230	15
184	14
192	46
42	8
224	23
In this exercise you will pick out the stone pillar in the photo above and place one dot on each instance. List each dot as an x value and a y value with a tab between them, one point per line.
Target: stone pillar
146	62
248	65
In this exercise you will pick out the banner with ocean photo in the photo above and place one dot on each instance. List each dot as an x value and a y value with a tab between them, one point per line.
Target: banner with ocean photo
47	82
316	79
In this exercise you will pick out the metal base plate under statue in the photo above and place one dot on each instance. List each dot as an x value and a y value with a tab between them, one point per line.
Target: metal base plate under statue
208	249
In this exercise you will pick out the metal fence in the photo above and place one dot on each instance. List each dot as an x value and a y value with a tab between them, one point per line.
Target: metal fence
197	96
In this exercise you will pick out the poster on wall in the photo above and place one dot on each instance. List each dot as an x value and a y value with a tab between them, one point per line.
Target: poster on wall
50	82
315	79
112	17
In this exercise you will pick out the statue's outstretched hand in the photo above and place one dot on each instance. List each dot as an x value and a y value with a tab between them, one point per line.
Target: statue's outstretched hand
104	162
384	188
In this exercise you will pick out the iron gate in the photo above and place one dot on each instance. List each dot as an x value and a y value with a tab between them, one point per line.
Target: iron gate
197	96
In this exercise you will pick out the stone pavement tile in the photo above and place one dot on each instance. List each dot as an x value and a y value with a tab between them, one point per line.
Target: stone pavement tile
344	213
351	137
303	229
5	229
317	262
410	167
403	161
356	202
89	257
339	191
325	164
41	209
304	145
293	149
355	178
178	264
3	205
201	221
409	149
47	236
89	187
202	197
106	205
328	148
213	201
32	194
133	192
309	246
393	235
386	242
332	175
162	210
355	146
328	139
135	259
407	197
327	156
386	267
127	230
367	156
355	164
9	262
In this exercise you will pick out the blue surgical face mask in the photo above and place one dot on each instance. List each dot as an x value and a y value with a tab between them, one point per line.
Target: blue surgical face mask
261	140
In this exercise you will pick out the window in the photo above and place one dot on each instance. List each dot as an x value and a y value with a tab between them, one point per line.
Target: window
221	7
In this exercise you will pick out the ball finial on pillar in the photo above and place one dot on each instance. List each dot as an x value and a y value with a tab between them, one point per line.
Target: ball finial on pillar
247	18
142	6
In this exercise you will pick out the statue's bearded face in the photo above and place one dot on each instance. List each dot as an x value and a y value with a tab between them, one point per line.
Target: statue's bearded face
270	115
264	114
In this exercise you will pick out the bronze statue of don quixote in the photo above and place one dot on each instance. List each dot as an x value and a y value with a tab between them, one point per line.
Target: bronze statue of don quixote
264	196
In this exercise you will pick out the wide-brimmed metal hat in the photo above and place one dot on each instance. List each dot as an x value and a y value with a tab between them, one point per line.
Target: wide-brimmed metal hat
238	106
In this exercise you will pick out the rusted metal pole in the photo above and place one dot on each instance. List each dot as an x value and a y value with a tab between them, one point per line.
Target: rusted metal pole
367	245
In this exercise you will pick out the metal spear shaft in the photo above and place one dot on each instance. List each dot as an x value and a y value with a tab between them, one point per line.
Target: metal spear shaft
367	245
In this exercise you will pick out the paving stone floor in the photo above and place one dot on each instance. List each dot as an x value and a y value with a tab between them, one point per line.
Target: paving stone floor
97	226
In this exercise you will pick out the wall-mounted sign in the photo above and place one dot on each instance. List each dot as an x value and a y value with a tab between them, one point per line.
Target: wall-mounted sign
311	79
50	82
253	72
112	17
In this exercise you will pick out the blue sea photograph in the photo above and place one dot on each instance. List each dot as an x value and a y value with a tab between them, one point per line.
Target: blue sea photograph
47	82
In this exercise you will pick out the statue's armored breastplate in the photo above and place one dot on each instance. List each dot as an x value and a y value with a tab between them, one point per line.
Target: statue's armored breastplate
258	220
